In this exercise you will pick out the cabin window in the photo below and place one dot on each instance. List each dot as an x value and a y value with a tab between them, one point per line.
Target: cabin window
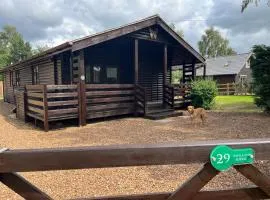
35	75
243	80
96	74
17	76
248	64
10	78
88	74
112	74
101	74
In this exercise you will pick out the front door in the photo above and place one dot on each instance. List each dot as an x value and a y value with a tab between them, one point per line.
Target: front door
151	69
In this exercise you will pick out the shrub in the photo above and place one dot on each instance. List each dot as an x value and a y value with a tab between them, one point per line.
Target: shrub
260	65
203	93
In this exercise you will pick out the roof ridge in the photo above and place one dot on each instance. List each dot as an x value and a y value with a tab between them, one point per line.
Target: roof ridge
118	27
229	55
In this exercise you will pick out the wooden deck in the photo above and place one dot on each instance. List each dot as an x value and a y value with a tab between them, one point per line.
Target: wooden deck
49	103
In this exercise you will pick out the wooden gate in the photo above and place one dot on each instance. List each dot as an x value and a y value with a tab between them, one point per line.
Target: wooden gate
12	161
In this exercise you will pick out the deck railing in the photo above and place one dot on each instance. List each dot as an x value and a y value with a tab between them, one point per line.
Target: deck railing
181	95
52	102
168	95
177	95
140	100
13	161
104	100
82	101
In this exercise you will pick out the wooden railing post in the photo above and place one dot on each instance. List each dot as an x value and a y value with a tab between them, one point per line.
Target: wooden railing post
172	97
82	103
228	88
45	106
25	105
79	103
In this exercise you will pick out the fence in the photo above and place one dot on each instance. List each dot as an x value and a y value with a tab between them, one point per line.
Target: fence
13	161
82	101
52	102
1	89
234	89
105	100
140	100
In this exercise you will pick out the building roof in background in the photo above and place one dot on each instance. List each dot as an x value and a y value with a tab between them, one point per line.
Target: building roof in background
109	35
225	65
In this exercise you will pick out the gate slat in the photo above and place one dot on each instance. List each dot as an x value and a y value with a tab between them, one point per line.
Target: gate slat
189	189
232	194
255	176
22	187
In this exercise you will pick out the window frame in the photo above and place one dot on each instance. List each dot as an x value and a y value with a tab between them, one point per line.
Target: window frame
117	73
17	78
103	79
35	75
11	78
248	64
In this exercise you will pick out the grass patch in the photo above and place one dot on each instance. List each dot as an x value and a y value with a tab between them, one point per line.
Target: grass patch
236	103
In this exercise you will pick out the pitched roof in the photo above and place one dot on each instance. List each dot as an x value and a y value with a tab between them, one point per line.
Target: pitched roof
225	65
108	35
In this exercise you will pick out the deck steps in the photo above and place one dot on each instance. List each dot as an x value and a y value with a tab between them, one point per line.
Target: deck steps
157	111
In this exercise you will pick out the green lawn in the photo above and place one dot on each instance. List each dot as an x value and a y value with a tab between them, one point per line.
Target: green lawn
236	103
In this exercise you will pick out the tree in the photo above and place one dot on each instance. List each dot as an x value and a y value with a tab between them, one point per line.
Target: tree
13	48
260	65
39	49
178	31
177	76
203	93
212	44
245	3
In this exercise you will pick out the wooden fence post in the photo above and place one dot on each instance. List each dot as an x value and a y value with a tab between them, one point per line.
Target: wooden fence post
84	106
25	105
79	103
45	106
228	88
82	103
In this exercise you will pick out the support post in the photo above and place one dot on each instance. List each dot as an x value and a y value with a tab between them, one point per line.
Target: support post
165	57
71	67
204	71
82	102
184	72
189	189
136	61
4	85
193	70
45	106
25	105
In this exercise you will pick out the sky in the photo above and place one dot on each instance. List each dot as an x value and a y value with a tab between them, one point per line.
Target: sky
56	21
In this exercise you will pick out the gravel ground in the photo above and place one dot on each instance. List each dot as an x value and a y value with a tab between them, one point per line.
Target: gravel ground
118	181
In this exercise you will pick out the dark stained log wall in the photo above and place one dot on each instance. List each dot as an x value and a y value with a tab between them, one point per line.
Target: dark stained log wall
46	76
151	69
8	89
46	72
118	52
66	70
58	69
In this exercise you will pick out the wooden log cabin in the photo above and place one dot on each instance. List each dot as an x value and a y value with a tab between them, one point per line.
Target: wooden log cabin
126	70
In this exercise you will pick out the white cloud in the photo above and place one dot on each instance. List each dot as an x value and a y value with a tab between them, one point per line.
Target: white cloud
58	21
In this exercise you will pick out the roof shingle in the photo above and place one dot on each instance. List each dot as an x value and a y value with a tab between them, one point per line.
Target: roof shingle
224	65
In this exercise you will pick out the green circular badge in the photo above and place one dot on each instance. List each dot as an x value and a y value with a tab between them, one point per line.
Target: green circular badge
220	158
223	157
